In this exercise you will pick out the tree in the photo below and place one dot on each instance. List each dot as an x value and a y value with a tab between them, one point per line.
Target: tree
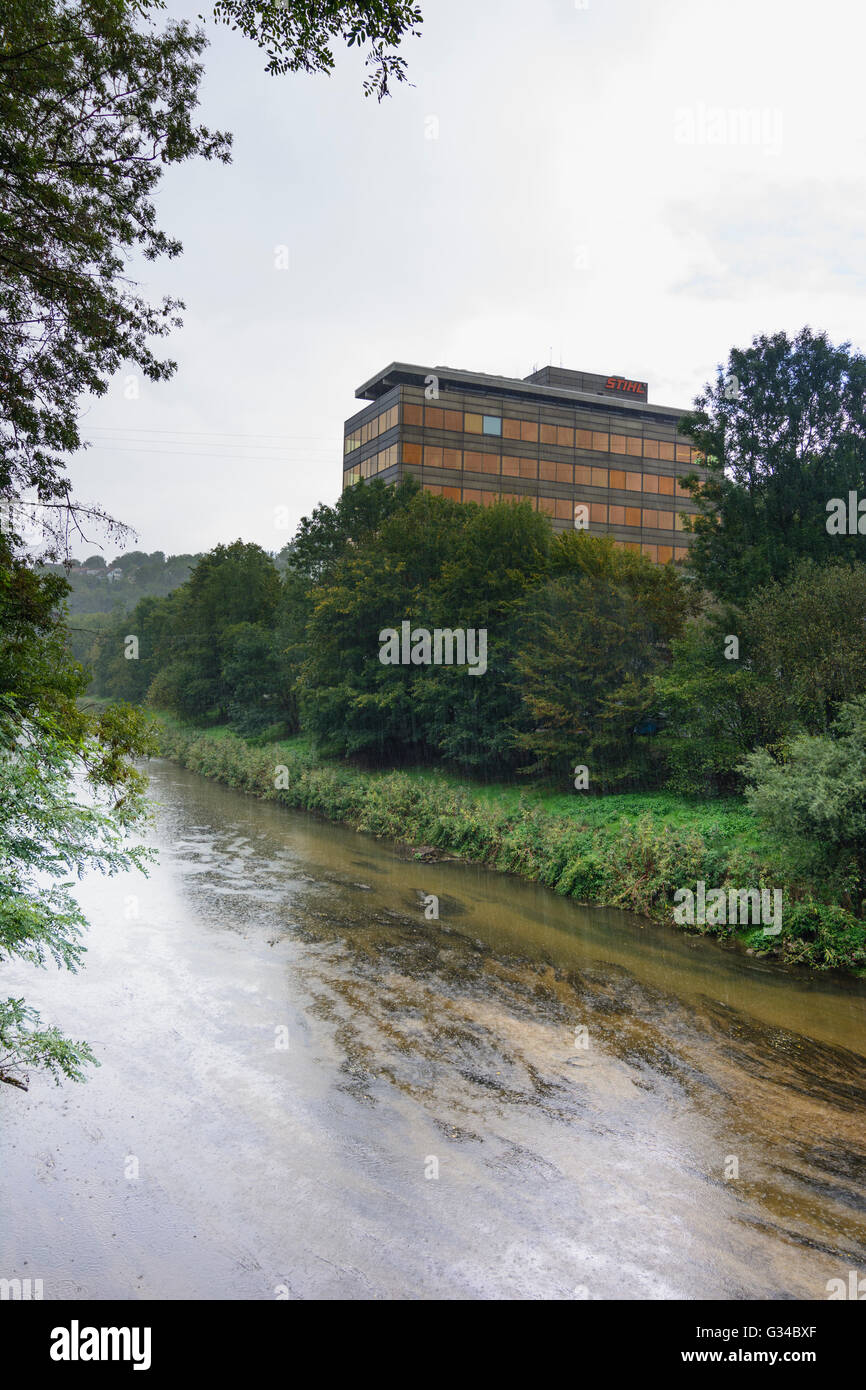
93	105
783	430
298	37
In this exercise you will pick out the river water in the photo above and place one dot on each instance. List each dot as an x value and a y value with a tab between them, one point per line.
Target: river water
308	1089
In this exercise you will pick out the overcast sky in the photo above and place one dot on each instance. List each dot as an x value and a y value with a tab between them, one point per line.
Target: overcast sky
590	195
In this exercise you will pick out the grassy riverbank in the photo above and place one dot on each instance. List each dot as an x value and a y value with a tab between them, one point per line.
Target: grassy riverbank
630	851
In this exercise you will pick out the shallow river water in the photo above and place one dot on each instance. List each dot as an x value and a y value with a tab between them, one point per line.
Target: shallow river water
307	1089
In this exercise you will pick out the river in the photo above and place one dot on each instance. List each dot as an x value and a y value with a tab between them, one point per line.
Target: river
308	1089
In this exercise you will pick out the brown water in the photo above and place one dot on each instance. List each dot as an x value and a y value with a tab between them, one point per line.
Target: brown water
585	1086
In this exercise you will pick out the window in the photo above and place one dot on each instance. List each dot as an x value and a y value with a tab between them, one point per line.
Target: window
666	484
666	553
599	477
565	437
411	453
665	521
472	423
492	424
634	446
598	513
632	516
434	417
617	478
678	520
564	509
634	482
453	419
583	439
680	552
651	551
432	457
547	504
650	518
681	490
599	441
650	448
452	492
529	468
413	415
666	451
510	465
471	494
451	458
529	431
548	434
582	474
617	444
546	468
617	516
564	473
684	453
650	482
511	428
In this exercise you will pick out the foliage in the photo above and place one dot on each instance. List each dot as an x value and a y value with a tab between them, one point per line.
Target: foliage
783	431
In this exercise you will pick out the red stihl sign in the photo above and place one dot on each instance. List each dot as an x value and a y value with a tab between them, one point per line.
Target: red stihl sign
621	383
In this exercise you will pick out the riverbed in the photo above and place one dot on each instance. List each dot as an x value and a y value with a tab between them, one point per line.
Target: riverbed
329	1070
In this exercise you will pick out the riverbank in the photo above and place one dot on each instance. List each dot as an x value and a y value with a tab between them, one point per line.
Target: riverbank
628	851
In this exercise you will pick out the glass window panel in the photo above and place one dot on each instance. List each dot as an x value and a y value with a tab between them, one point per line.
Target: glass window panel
617	444
547	505
617	478
598	513
632	516
511	428
680	552
684	453
471	494
564	509
435	488
472	423
651	551
453	420
582	473
548	434
650	448
473	461
633	482
564	473
666	553
510	465
565	437
650	518
599	477
617	515
450	458
434	417
665	521
492	424
666	451
529	468
583	439
432	457
666	484
634	446
413	415
631	545
650	482
490	463
599	441
488	498
452	492
529	431
411	453
678	520
546	469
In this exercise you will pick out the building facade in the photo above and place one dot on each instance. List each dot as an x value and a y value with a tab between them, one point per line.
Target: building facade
585	449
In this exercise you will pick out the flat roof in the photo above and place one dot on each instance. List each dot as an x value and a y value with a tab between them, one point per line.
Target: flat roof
409	374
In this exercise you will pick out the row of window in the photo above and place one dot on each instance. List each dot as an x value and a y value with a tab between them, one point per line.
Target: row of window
511	466
563	436
566	509
371	429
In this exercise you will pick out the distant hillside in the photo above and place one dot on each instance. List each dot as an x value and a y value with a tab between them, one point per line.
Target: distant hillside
100	587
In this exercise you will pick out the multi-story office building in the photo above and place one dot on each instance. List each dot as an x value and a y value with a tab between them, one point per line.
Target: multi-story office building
587	450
